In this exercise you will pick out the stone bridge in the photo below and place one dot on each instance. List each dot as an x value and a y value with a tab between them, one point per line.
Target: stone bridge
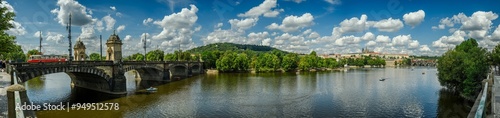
423	62
109	76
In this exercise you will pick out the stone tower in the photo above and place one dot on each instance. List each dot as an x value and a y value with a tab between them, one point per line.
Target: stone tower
79	51
114	51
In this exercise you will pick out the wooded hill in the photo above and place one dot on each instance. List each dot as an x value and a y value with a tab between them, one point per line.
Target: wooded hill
233	47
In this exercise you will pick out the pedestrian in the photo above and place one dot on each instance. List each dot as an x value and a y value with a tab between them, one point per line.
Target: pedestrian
1	66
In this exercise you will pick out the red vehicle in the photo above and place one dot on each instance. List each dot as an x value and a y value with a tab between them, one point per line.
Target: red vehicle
47	58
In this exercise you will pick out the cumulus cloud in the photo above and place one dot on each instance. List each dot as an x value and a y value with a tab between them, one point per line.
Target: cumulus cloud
127	38
177	29
456	38
87	32
495	36
293	23
79	15
120	28
479	20
401	40
146	21
112	8
243	24
224	36
414	18
51	36
368	36
292	43
371	44
382	39
388	25
413	44
424	48
266	8
110	22
353	25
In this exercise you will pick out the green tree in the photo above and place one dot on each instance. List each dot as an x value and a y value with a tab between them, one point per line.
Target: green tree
95	57
242	62
495	56
290	61
463	68
155	55
227	62
9	50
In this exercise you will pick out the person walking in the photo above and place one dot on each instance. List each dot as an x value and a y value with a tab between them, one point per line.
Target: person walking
1	66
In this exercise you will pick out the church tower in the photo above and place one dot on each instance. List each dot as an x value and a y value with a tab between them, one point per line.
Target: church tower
114	51
79	51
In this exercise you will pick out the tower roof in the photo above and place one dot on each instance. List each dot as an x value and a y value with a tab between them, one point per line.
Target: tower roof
114	39
79	45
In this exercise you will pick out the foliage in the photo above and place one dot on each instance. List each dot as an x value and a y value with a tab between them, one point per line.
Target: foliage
133	57
155	55
290	61
238	48
96	57
495	56
9	49
463	68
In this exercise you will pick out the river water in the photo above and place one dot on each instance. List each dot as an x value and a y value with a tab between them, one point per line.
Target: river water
353	93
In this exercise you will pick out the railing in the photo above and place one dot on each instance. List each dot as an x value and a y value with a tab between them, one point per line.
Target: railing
480	110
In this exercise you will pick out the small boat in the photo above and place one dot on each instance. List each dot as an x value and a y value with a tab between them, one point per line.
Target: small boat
381	79
151	89
423	73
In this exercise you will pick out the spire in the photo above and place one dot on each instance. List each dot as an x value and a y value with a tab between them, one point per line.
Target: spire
114	32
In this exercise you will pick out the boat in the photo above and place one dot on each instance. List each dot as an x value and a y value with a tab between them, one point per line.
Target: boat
381	79
151	89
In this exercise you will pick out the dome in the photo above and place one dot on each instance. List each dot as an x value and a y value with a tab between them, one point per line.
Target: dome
114	39
79	45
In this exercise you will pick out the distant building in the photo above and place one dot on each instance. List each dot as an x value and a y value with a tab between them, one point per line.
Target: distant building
366	52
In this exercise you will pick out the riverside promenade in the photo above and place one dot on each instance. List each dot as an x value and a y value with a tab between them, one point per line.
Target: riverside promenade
4	83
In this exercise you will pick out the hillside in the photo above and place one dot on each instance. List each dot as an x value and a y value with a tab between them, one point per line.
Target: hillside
233	47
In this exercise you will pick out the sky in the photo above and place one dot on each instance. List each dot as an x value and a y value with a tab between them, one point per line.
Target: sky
415	27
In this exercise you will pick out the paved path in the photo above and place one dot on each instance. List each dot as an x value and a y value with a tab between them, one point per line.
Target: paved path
496	98
4	82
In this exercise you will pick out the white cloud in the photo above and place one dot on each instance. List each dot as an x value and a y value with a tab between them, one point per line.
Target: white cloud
368	36
296	1
112	8
127	38
87	32
17	30
401	40
424	48
456	38
371	44
293	23
382	39
244	24
333	2
414	18
177	30
120	28
224	36
313	35
99	25
292	43
389	25
266	8
219	25
110	22
79	13
495	36
8	6
146	21
413	44
257	38
479	20
353	25
52	36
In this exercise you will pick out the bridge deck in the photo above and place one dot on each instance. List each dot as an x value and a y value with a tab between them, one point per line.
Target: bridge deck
496	96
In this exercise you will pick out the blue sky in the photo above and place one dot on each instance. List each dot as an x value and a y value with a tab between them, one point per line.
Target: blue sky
416	27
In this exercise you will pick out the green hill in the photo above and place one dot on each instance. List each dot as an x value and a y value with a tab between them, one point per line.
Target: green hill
233	47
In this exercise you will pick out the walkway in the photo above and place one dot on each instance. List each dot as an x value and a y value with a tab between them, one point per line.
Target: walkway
496	97
4	82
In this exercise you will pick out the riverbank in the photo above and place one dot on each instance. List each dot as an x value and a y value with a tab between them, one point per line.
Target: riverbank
4	83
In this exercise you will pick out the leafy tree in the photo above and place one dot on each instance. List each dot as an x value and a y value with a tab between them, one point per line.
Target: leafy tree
242	62
95	57
495	56
227	62
463	68
9	50
290	61
155	55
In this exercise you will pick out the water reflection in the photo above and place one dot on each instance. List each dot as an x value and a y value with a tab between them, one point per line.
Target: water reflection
355	93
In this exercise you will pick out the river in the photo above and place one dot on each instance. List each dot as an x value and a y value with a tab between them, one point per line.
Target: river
354	93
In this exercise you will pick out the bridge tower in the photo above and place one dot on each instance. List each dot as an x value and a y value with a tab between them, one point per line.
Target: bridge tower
114	51
79	51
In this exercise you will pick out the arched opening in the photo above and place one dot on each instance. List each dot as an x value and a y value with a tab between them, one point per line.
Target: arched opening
145	77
